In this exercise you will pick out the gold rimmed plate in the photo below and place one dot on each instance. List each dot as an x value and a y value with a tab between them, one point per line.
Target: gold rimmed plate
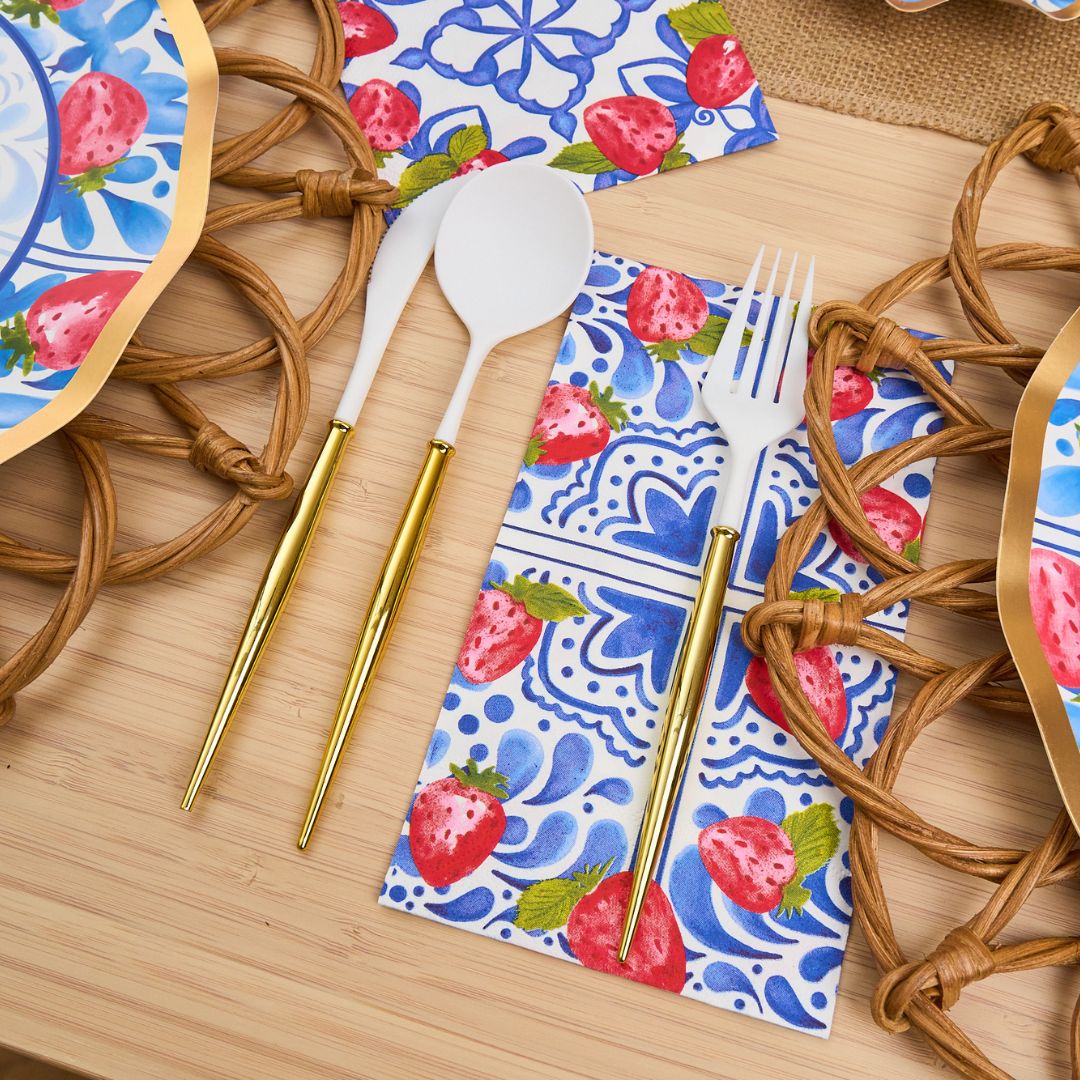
1038	583
107	109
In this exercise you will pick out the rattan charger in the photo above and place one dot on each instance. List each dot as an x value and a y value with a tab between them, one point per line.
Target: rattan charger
354	191
918	993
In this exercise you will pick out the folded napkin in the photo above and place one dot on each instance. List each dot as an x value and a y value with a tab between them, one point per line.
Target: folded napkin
608	90
526	812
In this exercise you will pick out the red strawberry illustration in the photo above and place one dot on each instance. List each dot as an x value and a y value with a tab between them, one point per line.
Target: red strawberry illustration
366	30
633	133
852	390
506	624
484	160
820	680
573	423
592	907
718	72
893	518
456	823
386	116
1054	587
761	866
62	324
666	309
101	116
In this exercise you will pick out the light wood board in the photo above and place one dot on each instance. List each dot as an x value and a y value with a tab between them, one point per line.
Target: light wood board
138	942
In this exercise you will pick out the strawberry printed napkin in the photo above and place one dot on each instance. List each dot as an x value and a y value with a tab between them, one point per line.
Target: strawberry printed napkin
608	90
527	809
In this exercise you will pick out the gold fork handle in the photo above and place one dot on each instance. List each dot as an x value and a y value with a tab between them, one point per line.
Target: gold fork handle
278	580
382	613
677	734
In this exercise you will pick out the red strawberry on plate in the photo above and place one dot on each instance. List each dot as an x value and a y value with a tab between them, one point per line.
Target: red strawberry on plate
101	117
1054	588
592	908
820	680
852	390
455	823
62	324
718	72
506	624
633	133
366	30
761	866
666	309
386	115
484	160
573	424
892	517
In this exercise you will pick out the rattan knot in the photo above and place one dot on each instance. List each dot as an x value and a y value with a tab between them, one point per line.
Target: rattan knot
961	958
1059	150
215	451
810	622
335	194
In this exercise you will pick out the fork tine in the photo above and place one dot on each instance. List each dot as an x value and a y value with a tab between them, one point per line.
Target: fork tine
778	340
745	383
727	353
795	376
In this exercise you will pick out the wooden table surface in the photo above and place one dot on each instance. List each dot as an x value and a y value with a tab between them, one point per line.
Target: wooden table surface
136	941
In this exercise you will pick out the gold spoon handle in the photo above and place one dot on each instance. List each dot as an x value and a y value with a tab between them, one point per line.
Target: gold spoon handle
382	613
677	734
277	583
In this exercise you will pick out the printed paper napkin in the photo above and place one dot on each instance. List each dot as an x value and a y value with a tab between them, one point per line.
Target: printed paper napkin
607	89
526	812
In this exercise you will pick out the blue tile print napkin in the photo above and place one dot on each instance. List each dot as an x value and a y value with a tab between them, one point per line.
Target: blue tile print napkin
607	89
539	775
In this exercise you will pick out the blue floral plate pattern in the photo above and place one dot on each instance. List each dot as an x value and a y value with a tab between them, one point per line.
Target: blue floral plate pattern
103	183
526	811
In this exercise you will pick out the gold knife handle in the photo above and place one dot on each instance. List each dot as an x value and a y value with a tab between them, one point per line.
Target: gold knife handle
277	583
382	613
680	721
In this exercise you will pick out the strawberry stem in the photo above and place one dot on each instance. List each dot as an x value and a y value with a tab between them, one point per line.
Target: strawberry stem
35	9
487	780
534	451
91	180
14	337
614	411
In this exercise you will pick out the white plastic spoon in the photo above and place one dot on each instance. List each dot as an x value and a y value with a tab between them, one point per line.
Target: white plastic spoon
512	252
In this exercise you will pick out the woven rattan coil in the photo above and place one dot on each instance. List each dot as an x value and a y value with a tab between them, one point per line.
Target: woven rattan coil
918	994
354	191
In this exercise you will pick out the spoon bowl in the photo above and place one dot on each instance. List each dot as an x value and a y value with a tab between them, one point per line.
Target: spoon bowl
513	250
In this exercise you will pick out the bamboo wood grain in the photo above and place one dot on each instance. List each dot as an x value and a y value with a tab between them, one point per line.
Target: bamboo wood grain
139	942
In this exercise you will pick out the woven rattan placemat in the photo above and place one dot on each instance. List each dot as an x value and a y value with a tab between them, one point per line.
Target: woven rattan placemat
969	67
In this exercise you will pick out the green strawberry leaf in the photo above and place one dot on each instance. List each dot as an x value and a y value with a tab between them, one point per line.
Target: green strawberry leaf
675	158
422	176
830	596
913	550
614	411
534	451
795	897
875	375
486	780
666	350
35	9
466	143
15	339
552	603
91	180
517	589
381	156
582	157
814	836
547	904
696	22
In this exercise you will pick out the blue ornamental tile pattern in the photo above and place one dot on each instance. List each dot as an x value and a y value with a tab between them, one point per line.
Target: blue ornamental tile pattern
572	726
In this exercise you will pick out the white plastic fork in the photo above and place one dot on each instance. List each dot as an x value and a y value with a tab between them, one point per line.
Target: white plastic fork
754	405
